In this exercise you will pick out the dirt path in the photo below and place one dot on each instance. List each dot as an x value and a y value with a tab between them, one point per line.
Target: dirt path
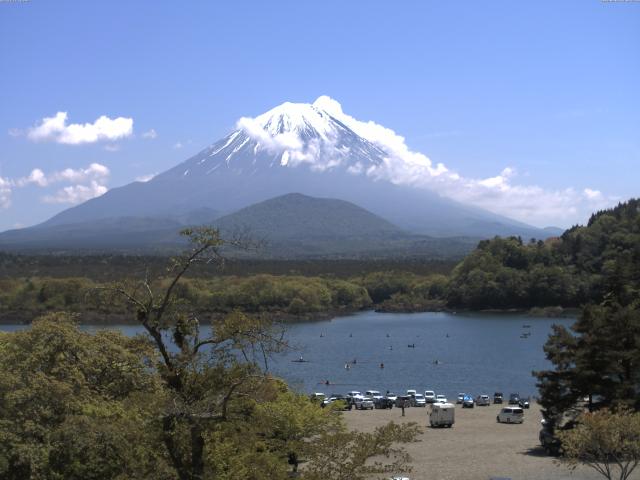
476	447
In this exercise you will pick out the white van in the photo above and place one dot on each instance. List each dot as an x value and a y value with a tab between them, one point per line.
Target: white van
442	415
511	415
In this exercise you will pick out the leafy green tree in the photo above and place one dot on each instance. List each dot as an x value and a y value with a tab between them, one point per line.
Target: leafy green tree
223	417
598	358
605	441
76	405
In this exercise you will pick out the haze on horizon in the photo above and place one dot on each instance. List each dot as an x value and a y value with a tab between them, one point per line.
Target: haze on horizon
532	108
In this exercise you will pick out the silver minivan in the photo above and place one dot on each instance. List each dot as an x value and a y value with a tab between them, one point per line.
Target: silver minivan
511	415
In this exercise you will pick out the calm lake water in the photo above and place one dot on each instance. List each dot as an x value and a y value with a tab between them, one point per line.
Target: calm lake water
476	353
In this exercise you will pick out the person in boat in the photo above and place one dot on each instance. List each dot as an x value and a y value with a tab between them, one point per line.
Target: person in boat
382	366
347	366
301	359
355	360
326	382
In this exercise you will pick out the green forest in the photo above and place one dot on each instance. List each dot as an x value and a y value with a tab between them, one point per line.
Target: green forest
584	265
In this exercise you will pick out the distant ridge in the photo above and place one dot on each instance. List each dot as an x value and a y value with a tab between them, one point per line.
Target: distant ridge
289	226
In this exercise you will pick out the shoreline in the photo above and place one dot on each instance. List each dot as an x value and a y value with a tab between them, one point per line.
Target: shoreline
96	318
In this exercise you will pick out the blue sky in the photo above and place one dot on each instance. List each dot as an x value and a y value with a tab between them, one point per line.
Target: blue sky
546	90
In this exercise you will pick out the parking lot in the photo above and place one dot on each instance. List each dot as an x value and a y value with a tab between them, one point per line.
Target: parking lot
477	447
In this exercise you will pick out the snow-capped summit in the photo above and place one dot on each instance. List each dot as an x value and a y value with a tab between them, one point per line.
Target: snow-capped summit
290	135
297	117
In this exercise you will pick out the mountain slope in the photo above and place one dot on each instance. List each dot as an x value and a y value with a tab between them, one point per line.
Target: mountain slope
297	217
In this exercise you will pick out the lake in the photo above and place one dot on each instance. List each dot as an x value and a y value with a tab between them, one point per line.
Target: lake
475	352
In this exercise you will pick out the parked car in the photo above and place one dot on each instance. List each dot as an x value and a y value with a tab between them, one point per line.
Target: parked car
364	403
441	399
511	415
317	397
403	401
524	402
514	399
483	400
411	392
373	394
497	397
343	399
391	396
383	402
442	415
460	398
418	400
430	396
467	402
354	394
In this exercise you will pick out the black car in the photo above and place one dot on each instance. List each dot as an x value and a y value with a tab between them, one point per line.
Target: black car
514	399
403	401
524	402
497	397
382	402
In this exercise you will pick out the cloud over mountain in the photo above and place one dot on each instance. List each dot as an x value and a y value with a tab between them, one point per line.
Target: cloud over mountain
401	165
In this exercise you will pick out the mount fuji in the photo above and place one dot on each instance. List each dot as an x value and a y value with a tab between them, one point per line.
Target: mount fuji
311	149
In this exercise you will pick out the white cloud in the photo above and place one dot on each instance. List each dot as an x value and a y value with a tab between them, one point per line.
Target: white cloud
86	183
150	134
77	193
177	145
499	193
592	194
5	192
95	171
55	129
14	132
112	147
145	178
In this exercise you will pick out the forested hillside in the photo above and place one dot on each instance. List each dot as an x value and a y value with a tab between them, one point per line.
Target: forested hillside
584	265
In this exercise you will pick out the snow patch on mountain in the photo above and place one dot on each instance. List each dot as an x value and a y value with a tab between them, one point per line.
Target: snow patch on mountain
318	135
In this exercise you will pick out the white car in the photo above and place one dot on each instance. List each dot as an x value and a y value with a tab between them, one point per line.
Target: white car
483	400
430	396
364	403
392	396
411	392
511	415
418	400
375	394
441	399
354	394
460	398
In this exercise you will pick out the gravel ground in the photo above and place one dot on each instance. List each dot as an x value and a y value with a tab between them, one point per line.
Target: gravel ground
476	447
